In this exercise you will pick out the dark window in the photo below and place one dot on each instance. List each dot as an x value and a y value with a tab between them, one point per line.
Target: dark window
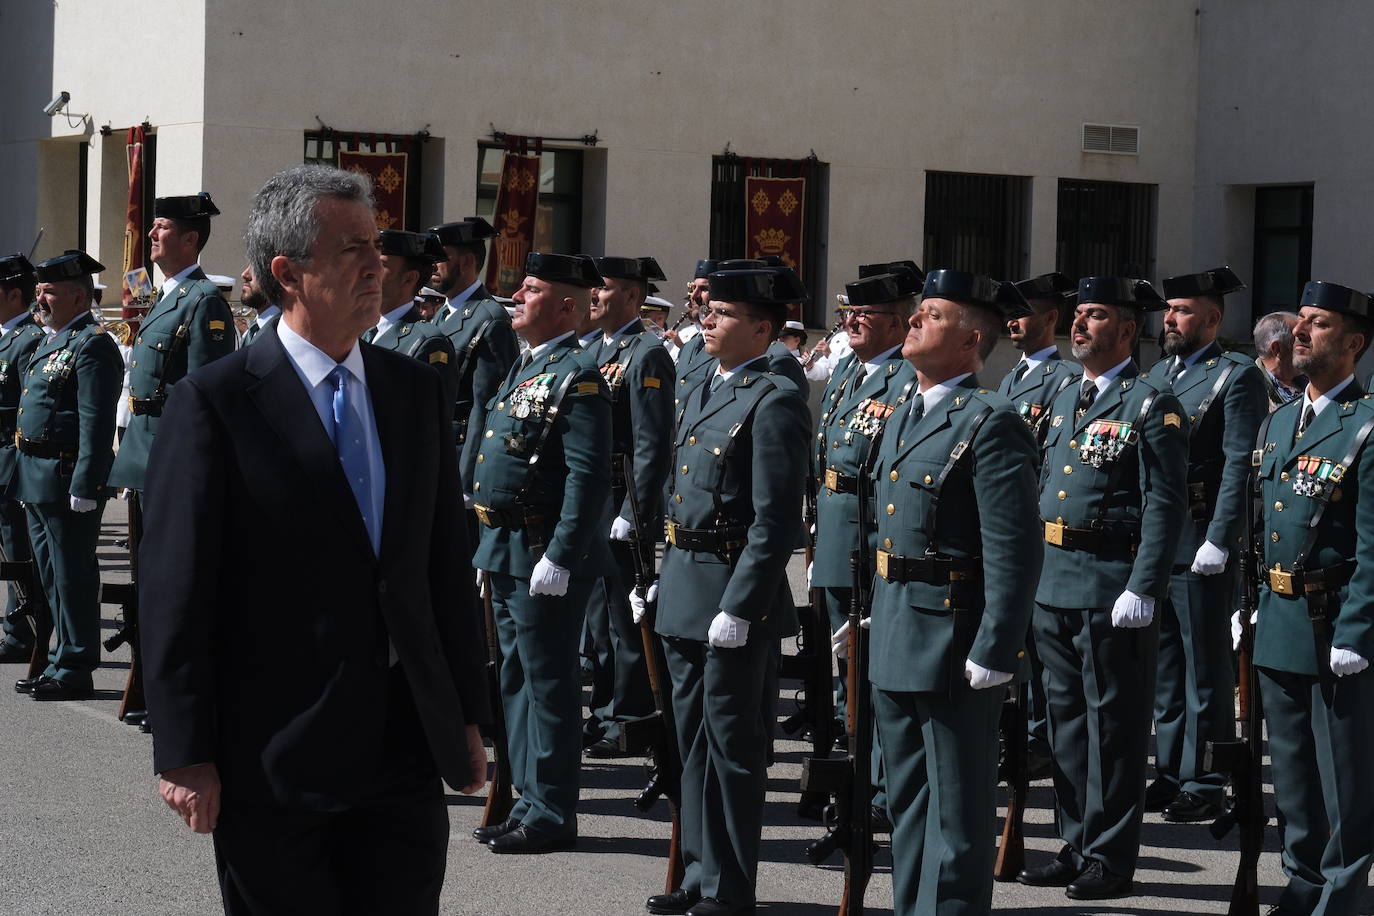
976	223
558	224
322	148
728	174
1283	247
1106	229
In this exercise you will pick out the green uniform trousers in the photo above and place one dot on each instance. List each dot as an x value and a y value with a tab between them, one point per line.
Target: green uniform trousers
64	544
14	535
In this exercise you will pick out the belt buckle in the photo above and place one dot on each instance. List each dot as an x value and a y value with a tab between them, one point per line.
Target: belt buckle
1281	581
1054	533
672	533
881	565
832	480
483	515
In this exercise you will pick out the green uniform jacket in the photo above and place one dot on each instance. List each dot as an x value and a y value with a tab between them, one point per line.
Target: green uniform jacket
1219	445
419	339
71	392
693	363
782	362
16	349
1148	495
739	460
481	368
187	328
639	374
986	509
1291	471
1032	395
851	416
568	487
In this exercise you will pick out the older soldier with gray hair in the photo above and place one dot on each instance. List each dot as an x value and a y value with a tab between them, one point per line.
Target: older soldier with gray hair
319	770
1274	346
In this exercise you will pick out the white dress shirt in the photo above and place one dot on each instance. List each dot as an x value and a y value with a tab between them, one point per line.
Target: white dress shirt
173	281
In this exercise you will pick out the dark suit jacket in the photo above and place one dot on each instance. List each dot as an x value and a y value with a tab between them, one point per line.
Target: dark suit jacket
265	614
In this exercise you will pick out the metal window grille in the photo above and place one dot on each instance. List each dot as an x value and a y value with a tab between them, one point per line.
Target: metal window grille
322	148
977	223
728	173
558	225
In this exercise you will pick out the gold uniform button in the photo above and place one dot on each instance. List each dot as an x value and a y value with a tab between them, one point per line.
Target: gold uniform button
677	496
892	477
1283	475
1068	469
1063	495
1274	536
21	410
481	458
490	434
928	480
891	508
887	543
477	486
834	445
684	469
500	405
132	365
691	440
946	602
715	451
140	339
1278	507
1073	443
26	391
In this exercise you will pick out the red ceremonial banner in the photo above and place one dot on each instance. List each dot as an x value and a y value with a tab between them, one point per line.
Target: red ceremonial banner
773	222
133	223
388	174
517	205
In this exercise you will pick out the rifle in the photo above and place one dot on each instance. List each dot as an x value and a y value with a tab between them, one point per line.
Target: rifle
31	605
654	730
133	708
850	779
1011	851
834	329
499	798
1243	757
812	666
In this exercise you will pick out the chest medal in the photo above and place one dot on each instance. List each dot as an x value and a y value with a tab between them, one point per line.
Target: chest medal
867	419
1104	441
614	374
1313	475
530	396
1029	412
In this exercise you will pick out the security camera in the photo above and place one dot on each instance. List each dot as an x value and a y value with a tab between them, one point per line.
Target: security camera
58	102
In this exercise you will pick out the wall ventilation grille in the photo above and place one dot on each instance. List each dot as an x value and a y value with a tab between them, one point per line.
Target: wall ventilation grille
1111	138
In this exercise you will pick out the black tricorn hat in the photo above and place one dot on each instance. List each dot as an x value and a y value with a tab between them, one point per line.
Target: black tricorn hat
420	245
69	265
909	276
464	231
190	206
15	267
1052	285
975	289
1215	282
758	286
742	264
644	269
1127	291
572	269
1336	298
877	289
705	267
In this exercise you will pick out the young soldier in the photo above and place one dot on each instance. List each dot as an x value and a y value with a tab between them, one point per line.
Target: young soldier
407	259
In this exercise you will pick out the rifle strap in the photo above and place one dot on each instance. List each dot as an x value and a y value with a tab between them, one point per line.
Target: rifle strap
1039	426
760	390
1206	404
465	355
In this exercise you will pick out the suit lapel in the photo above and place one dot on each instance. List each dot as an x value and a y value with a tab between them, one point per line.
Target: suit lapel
287	408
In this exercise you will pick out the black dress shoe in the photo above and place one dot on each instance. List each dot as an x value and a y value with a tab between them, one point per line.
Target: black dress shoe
53	689
135	717
1160	794
12	653
1097	883
26	684
608	749
673	904
487	834
526	839
710	906
1189	809
1060	872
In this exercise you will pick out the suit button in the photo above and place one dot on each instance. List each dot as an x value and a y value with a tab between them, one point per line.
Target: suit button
1063	495
1278	507
490	434
1274	536
1073	443
887	543
892	477
691	440
1068	469
891	508
381	587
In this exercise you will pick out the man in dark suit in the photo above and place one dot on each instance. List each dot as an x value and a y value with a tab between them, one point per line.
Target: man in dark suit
313	746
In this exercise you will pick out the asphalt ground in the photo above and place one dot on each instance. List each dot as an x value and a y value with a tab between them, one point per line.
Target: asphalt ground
84	832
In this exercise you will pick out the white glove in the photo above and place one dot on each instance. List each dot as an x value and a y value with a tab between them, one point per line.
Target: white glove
727	631
548	578
1236	630
839	640
980	678
809	567
1347	661
1133	611
81	504
811	531
468	501
1210	559
638	605
621	529
483	584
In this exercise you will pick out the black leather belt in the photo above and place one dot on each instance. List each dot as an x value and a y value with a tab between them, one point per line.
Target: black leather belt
146	407
40	448
1291	584
618	470
505	518
708	540
838	482
931	570
1093	540
1197	499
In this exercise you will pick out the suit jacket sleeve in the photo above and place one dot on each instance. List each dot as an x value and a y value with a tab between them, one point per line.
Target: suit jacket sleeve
100	378
1004	484
184	497
1162	458
1245	405
650	389
587	489
777	476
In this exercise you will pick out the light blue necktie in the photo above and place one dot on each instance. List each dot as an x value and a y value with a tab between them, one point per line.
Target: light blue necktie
348	441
